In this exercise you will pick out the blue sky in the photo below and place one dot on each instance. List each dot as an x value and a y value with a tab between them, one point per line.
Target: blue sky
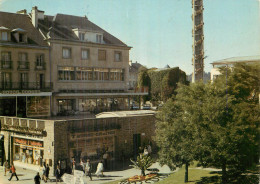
160	30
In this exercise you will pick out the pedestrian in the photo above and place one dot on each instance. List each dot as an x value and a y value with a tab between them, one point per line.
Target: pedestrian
13	173
44	173
37	178
5	167
82	165
100	169
149	149
145	151
105	158
57	174
47	172
73	164
88	169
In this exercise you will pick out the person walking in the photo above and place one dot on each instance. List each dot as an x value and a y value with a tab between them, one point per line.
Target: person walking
44	173
105	158
73	165
13	173
57	174
88	169
37	178
100	169
47	172
82	165
5	167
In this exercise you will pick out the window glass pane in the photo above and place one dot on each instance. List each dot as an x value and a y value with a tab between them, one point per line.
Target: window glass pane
84	54
4	36
66	52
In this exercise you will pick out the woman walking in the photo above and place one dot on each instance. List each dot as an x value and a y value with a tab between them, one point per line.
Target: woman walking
100	169
88	169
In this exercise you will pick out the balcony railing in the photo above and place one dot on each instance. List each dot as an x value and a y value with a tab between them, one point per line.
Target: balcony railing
40	66
23	65
5	65
46	86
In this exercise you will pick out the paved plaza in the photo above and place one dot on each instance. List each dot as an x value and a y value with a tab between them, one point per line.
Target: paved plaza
26	175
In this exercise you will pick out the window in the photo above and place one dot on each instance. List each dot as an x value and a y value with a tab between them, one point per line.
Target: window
99	38
39	59
82	36
84	54
6	56
116	74
118	56
66	73
84	73
101	55
66	53
23	56
4	36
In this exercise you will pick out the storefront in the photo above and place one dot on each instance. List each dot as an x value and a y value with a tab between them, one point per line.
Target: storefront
92	144
28	151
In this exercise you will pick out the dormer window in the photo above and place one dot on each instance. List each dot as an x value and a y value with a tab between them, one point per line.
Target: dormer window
99	38
4	36
4	33
20	35
82	36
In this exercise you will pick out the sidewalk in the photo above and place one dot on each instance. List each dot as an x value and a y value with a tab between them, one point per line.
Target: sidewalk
26	176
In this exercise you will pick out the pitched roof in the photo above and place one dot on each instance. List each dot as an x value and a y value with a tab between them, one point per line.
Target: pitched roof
238	60
14	21
61	26
134	67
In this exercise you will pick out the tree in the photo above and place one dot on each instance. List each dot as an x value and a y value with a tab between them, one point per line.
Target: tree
143	162
215	124
175	129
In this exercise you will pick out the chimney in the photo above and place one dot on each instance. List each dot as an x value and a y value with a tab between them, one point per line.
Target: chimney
35	16
22	12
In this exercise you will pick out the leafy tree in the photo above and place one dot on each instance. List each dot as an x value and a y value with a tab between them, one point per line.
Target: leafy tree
215	124
143	162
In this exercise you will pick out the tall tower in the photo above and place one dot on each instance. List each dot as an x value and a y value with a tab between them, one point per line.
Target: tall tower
198	40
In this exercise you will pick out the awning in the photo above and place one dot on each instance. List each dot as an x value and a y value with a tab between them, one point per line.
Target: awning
25	94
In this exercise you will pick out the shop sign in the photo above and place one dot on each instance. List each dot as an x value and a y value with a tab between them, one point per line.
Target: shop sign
35	143
21	141
20	91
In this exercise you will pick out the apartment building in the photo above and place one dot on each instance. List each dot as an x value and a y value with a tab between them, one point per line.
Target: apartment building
229	62
89	66
25	87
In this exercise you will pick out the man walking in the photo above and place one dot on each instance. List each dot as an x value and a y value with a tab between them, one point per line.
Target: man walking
88	169
37	178
13	173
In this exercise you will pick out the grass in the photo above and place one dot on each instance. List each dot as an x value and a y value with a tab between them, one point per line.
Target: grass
200	176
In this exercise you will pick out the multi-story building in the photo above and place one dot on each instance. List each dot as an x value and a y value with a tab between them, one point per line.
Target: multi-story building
229	62
133	74
25	86
89	66
64	65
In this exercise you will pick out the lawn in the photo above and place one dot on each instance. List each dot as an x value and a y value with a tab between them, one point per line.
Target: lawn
200	176
178	177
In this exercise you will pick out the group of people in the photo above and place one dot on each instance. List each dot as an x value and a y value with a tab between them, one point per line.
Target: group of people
87	167
12	170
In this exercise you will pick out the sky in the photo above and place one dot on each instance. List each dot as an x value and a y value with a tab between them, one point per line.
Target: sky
160	31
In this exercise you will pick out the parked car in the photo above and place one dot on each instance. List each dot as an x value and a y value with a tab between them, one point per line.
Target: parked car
146	107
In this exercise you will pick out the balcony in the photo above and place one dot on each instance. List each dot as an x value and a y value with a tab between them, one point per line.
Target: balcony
40	66
46	86
23	65
6	65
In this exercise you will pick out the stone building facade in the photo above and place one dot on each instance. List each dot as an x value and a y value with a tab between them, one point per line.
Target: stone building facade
30	142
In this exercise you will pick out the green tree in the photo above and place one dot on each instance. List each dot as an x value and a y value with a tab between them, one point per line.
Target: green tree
216	124
143	162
